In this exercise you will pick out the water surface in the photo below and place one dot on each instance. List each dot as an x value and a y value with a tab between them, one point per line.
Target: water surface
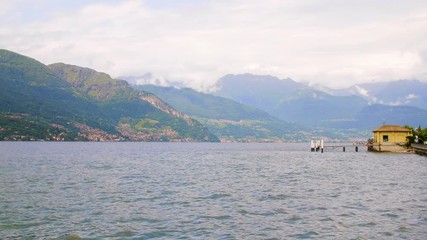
208	191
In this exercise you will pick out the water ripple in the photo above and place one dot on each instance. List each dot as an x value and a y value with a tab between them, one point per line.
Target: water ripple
208	191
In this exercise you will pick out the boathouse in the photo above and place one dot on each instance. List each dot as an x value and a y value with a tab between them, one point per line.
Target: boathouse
390	138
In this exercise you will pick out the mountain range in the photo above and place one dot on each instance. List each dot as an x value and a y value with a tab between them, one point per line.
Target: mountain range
66	102
341	114
357	109
297	102
226	118
395	93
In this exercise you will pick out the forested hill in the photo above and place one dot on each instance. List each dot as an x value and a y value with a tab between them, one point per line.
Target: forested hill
227	118
65	102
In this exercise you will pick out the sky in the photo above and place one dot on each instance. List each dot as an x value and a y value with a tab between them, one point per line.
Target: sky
335	43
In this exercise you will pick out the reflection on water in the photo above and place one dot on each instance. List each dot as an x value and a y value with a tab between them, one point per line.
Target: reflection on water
219	191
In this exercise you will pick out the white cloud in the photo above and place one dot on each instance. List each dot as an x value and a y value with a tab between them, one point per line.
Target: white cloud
362	91
5	6
411	96
335	43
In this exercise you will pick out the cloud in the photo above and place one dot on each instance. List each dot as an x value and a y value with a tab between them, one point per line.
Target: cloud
334	43
411	96
6	6
362	91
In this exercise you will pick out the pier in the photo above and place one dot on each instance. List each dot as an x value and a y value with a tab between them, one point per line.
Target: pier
420	149
318	145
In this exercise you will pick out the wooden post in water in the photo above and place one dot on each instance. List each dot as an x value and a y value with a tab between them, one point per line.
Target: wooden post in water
321	145
343	149
356	148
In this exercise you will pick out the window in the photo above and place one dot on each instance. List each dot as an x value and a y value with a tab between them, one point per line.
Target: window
385	138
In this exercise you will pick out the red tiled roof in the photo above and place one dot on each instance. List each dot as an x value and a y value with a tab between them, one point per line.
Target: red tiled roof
391	128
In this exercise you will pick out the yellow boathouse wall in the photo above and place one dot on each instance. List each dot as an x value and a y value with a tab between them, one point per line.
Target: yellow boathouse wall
396	137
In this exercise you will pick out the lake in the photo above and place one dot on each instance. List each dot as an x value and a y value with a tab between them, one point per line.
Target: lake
52	190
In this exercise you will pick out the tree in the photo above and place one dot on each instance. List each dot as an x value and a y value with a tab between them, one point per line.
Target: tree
419	135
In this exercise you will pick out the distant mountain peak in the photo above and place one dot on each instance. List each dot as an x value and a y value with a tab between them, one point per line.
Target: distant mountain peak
394	93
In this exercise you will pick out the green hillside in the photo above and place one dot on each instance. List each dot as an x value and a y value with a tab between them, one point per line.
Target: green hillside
204	105
96	85
130	107
84	105
226	118
29	87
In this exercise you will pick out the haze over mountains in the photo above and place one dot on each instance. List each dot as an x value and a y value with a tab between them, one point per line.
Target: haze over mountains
358	109
395	93
297	102
67	102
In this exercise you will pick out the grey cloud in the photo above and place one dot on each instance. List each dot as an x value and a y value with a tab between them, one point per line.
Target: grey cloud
334	42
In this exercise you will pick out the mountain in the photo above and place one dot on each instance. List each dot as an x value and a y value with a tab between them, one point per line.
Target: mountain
65	102
395	93
376	115
289	100
227	118
351	111
30	91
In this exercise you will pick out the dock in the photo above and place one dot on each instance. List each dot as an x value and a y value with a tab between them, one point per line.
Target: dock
318	145
420	149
